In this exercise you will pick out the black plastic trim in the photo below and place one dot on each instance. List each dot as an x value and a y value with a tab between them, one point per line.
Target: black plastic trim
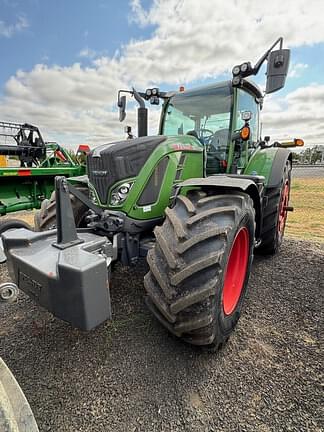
278	165
152	189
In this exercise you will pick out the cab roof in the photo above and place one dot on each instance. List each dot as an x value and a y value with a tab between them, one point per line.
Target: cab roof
246	84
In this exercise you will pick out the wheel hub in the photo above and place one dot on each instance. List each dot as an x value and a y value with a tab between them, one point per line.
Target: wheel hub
236	271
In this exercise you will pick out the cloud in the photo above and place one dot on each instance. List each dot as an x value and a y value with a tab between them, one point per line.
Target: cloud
298	115
69	101
9	30
139	15
88	53
190	41
195	40
297	69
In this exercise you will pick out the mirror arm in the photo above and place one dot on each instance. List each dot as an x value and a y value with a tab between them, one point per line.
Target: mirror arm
139	96
122	91
260	62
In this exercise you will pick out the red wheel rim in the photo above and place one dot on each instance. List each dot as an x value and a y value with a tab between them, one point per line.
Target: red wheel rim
236	271
283	208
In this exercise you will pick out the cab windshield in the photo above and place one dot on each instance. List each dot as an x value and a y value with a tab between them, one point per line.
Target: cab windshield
204	113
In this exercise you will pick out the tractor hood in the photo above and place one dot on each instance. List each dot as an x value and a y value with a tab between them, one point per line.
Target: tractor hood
109	163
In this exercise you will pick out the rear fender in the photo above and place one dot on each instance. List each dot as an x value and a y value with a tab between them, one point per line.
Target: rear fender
269	163
220	183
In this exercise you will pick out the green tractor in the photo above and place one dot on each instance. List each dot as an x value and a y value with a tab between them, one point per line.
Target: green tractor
197	200
28	167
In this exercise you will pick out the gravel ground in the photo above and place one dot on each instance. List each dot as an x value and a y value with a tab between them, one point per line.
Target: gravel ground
131	375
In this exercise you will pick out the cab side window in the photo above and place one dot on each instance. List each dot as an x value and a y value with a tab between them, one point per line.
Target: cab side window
246	102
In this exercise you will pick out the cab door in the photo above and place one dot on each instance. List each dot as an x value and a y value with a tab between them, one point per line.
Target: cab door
247	102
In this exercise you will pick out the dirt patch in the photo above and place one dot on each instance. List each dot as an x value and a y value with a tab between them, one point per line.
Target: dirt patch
26	216
131	375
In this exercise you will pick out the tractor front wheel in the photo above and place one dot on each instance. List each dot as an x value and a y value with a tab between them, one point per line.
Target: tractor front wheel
200	266
45	218
9	224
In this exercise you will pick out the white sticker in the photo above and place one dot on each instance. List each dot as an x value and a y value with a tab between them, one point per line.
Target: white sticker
147	209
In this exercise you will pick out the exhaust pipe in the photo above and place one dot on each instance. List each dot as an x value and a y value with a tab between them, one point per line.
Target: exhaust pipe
142	122
141	115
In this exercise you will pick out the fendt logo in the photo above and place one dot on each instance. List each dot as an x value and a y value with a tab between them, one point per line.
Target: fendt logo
100	173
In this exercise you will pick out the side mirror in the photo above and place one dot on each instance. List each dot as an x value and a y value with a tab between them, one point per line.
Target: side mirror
277	70
122	108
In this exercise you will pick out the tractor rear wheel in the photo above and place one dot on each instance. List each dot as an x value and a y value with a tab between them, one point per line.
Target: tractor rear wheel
275	215
200	266
45	218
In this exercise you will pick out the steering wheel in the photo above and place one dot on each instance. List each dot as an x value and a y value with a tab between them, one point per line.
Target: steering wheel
206	138
217	139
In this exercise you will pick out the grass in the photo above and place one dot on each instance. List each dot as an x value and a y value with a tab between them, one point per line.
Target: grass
307	219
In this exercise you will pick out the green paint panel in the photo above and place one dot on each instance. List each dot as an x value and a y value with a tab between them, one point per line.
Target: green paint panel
26	188
261	163
172	148
21	193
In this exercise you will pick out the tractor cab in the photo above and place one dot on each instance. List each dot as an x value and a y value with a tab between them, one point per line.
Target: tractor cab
212	114
223	118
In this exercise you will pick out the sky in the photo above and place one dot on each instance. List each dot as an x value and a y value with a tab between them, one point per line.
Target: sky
62	62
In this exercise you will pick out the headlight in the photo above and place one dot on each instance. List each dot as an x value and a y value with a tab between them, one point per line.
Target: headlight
120	193
244	67
236	70
92	195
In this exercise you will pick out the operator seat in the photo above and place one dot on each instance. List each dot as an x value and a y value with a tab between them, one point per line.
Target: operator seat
220	139
217	152
194	133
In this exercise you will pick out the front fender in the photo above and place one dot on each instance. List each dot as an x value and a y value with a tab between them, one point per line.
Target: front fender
269	163
219	183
